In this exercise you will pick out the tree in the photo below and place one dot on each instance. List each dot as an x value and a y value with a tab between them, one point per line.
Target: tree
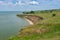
31	11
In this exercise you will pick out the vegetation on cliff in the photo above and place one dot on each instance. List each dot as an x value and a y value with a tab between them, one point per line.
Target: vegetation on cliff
46	29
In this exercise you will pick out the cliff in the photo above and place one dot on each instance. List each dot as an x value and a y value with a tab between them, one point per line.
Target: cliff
46	27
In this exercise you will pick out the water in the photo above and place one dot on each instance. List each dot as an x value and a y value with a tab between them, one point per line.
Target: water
10	24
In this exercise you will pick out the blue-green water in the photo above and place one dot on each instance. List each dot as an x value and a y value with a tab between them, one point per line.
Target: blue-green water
10	24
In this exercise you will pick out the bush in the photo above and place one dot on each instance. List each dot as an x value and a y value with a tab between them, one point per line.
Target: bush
25	12
31	11
53	14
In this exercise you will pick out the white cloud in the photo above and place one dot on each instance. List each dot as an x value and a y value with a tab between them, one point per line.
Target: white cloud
1	2
19	3
11	3
5	3
34	2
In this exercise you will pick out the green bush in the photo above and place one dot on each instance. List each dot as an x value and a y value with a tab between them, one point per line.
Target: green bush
53	14
31	11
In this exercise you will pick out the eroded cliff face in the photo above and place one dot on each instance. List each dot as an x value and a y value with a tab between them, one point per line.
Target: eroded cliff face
32	18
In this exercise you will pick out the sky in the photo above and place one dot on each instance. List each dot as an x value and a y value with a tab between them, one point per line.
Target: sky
27	5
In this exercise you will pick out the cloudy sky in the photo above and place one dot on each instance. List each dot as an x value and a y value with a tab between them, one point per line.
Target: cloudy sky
25	5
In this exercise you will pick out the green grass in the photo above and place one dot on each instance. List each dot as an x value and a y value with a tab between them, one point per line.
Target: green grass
49	28
52	34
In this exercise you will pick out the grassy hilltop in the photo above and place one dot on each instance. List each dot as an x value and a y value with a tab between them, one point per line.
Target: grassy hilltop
46	29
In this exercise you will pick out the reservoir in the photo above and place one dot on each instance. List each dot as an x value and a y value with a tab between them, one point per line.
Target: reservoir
10	24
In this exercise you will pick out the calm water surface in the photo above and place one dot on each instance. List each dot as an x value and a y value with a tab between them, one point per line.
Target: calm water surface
10	24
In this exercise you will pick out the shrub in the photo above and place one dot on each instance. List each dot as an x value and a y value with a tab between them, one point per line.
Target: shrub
31	11
53	14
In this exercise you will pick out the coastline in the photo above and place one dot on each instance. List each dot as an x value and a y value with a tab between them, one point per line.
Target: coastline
46	29
30	22
32	19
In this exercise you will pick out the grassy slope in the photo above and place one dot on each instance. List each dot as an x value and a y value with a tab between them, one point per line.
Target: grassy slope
48	29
